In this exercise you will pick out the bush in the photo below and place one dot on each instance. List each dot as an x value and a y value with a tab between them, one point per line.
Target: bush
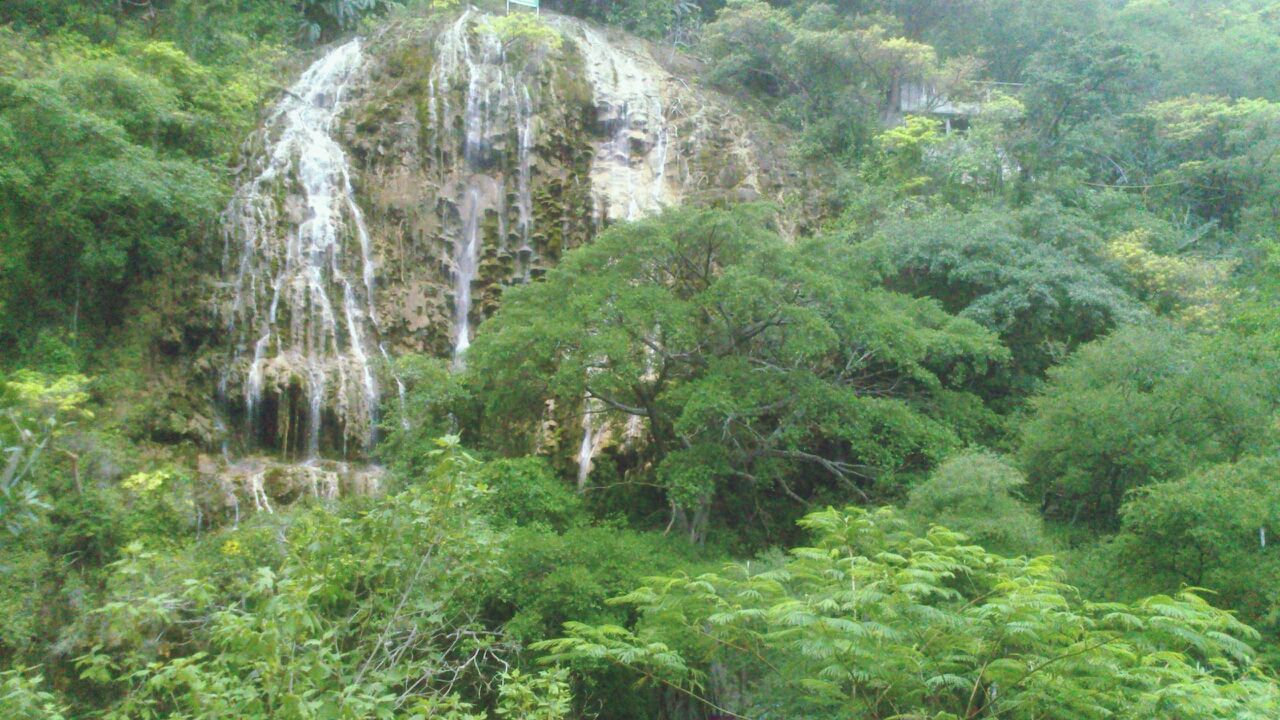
974	493
548	579
526	491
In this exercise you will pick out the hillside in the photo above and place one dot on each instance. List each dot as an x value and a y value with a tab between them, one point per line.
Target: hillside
648	359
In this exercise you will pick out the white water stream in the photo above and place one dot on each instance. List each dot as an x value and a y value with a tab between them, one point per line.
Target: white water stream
628	173
303	291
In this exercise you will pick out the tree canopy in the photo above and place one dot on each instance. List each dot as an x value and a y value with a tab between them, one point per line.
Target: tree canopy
745	359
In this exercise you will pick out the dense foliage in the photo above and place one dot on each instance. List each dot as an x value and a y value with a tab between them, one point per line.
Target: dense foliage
1028	344
748	364
876	622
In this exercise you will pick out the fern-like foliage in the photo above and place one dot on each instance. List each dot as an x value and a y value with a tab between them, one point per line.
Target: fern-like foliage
874	621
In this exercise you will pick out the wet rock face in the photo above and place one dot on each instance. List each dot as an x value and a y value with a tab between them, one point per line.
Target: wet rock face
298	301
475	170
405	181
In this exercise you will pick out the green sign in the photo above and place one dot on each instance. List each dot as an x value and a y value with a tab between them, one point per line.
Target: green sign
527	3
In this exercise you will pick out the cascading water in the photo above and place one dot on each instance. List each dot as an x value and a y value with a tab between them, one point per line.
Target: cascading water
629	169
302	295
594	434
475	143
524	192
498	103
448	181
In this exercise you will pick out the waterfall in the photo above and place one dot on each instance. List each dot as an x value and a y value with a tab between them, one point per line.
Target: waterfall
594	433
524	193
498	103
467	261
302	295
628	172
452	179
658	158
480	79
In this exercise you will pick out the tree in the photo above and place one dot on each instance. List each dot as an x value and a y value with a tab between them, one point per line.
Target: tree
1211	159
746	362
1193	290
1073	81
326	18
650	18
1043	298
835	77
1143	405
1006	34
1212	529
873	621
744	41
105	178
1217	48
24	699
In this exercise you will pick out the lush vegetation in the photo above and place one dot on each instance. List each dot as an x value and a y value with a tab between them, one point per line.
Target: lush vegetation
996	438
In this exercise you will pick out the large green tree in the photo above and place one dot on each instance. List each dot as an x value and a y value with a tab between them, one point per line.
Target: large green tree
747	362
834	76
1214	529
105	174
1143	405
1017	273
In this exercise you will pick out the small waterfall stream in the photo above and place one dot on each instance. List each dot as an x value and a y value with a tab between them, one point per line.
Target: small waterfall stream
629	170
481	81
524	192
498	104
594	434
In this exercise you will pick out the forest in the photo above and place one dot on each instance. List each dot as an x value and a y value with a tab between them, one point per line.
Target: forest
640	360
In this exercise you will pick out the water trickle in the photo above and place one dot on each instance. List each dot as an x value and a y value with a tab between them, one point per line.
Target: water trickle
594	434
497	104
467	260
628	173
302	292
524	195
658	158
400	389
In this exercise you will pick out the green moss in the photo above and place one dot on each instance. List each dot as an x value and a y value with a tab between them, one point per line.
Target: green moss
410	64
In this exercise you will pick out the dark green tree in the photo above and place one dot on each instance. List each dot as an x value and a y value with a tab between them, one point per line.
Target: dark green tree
1044	299
1213	529
1143	405
748	363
